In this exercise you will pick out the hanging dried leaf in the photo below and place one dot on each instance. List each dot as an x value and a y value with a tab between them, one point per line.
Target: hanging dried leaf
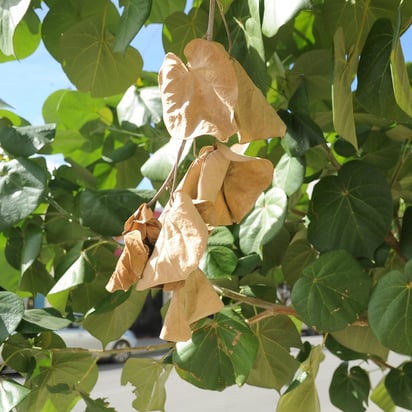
225	184
195	300
255	117
180	245
140	233
199	98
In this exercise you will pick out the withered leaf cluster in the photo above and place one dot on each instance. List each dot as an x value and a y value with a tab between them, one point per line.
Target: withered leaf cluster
213	95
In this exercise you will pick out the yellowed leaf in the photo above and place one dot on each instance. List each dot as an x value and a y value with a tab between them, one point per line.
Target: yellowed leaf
195	300
140	233
199	98
255	117
180	245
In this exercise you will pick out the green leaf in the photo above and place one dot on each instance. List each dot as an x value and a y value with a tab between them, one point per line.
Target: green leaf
114	315
11	313
27	140
298	255
96	405
91	64
105	211
344	73
179	29
11	14
302	395
351	211
390	310
11	394
381	397
341	351
132	19
9	282
361	339
149	377
26	37
39	319
349	389
140	106
398	382
274	366
289	174
333	291
375	86
406	234
22	186
277	13
265	220
164	8
225	344
32	241
59	381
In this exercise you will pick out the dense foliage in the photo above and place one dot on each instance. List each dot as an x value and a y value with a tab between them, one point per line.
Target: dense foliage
335	227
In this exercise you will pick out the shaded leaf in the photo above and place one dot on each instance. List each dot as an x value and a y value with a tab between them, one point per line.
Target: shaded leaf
390	310
32	241
333	291
133	17
406	234
225	344
149	377
91	64
274	366
22	186
351	211
349	388
398	382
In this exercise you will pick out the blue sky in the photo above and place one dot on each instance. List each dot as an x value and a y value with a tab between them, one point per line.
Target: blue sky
26	84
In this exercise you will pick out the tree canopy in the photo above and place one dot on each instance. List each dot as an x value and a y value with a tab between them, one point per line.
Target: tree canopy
295	173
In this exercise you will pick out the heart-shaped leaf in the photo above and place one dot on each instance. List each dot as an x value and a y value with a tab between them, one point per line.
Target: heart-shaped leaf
390	310
11	394
398	382
265	220
351	211
333	291
11	313
199	98
227	345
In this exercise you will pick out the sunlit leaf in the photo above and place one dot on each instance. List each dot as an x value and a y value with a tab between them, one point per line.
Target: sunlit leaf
289	174
11	394
381	397
11	313
225	344
333	291
32	241
265	220
390	310
10	15
148	377
351	211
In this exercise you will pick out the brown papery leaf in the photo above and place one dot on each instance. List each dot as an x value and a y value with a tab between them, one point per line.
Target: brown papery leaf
180	245
246	178
255	117
140	233
199	98
195	300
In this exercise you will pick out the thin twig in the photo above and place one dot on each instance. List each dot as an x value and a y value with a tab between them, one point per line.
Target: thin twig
209	33
222	15
170	177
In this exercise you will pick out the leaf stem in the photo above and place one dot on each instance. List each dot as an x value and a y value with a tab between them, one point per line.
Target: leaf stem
170	177
209	33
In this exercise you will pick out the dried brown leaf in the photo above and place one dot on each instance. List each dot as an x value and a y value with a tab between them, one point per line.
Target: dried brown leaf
180	245
255	117
195	300
199	98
